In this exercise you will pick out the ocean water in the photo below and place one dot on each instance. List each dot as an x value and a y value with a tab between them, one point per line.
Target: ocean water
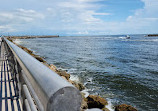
125	71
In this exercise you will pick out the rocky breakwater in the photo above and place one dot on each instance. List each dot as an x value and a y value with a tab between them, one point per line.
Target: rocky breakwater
124	107
152	35
31	37
92	101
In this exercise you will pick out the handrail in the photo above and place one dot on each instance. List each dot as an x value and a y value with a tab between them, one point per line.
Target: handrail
47	88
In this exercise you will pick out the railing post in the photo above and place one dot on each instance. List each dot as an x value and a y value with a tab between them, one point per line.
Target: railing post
22	94
13	67
16	74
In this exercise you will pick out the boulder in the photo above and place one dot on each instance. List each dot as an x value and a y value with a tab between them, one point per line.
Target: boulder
79	86
53	67
95	101
84	105
84	102
40	59
46	64
10	39
31	53
124	107
26	49
83	94
63	77
63	73
105	109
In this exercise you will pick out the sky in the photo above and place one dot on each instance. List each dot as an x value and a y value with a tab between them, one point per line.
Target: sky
78	17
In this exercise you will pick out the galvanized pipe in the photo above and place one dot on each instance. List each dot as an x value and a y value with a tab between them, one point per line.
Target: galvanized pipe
27	105
29	98
54	93
38	102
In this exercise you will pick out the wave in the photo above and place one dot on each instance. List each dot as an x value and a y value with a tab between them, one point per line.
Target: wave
122	37
146	40
74	78
110	106
86	90
18	41
71	70
150	40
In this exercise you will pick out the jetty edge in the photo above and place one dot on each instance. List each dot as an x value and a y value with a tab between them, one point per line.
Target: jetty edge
152	35
92	101
31	37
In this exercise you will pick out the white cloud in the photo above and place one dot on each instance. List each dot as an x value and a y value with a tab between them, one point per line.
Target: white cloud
6	29
146	18
77	16
17	20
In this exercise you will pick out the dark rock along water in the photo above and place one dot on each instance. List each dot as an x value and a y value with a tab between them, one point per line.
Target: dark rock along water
123	70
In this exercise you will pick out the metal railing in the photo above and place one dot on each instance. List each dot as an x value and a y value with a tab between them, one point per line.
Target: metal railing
38	87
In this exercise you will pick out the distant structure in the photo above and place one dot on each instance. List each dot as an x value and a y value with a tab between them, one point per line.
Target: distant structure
151	35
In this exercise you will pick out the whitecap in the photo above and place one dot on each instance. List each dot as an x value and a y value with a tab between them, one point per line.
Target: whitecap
17	41
122	37
71	70
110	106
85	91
74	78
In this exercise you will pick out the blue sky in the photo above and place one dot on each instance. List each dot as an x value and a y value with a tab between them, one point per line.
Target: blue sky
78	17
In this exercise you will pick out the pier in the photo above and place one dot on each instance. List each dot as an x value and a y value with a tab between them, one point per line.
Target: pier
9	99
28	85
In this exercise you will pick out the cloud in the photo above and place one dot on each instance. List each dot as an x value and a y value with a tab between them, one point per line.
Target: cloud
54	15
17	20
145	19
19	15
76	17
6	28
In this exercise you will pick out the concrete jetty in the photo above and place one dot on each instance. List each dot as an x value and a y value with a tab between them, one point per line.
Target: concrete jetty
152	35
31	37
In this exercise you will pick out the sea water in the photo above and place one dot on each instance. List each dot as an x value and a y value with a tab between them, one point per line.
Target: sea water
125	71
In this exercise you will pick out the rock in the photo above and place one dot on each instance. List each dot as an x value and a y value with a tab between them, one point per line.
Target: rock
59	72
40	59
64	77
84	105
53	67
83	94
105	109
79	86
95	101
124	107
31	53
26	49
11	40
63	73
46	64
84	102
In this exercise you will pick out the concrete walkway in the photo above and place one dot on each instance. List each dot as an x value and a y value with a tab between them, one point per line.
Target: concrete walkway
8	99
